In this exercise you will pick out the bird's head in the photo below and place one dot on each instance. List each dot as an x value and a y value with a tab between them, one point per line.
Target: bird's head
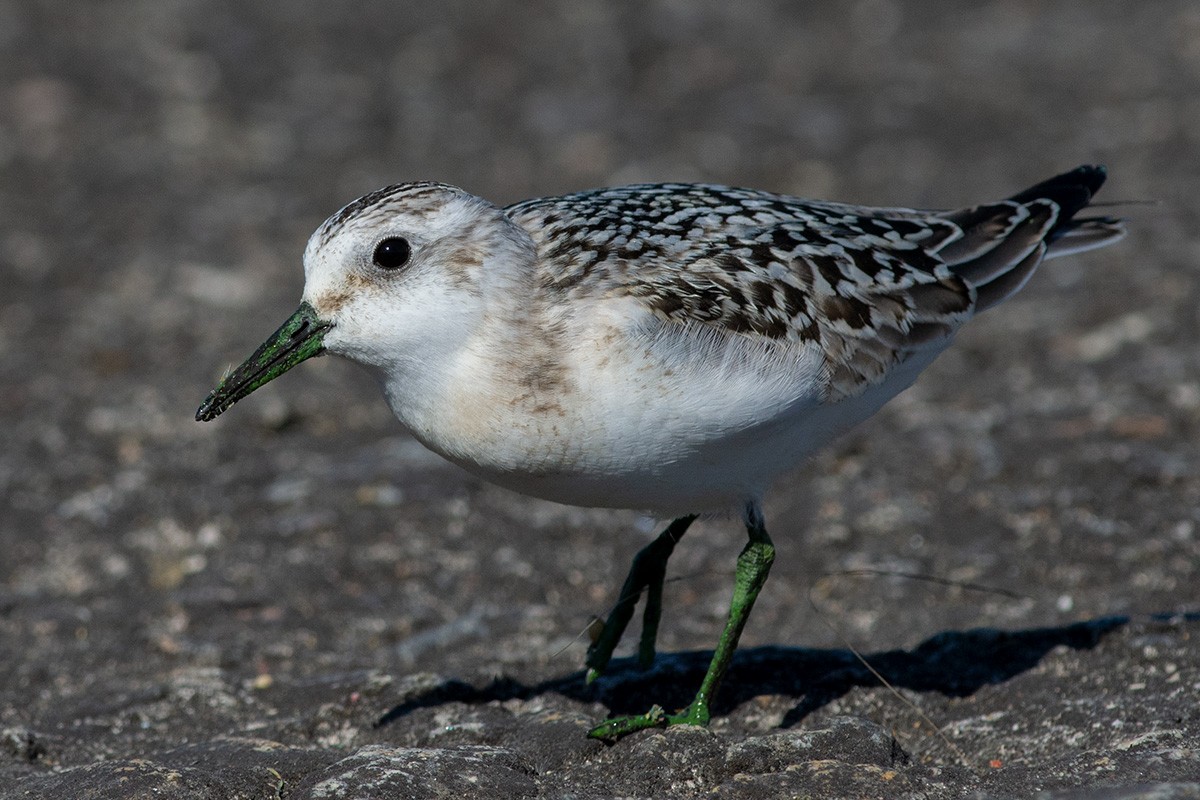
395	279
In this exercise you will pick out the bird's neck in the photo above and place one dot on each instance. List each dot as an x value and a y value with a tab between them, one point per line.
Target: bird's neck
493	370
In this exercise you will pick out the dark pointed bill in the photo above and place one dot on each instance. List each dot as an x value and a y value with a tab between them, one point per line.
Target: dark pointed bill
300	338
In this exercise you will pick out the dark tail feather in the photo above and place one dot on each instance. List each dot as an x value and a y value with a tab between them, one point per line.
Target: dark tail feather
1072	192
1003	243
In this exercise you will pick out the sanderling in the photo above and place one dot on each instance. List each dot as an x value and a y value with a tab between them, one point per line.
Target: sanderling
665	347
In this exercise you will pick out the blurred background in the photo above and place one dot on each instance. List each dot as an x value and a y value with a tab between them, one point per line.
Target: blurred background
162	164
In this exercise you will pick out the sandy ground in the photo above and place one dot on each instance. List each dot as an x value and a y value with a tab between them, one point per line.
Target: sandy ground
298	601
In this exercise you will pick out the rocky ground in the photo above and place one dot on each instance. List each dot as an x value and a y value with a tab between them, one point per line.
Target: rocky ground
297	601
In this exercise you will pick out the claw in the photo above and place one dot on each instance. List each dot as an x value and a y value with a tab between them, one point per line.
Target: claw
613	729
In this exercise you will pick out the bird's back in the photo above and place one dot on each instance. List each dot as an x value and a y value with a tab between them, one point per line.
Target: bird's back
869	286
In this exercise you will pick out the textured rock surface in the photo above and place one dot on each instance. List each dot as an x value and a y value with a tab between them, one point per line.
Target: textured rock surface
298	601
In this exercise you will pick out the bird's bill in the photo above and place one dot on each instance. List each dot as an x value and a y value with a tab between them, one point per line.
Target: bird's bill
298	339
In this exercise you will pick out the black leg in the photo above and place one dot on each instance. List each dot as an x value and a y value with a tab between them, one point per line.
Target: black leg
648	571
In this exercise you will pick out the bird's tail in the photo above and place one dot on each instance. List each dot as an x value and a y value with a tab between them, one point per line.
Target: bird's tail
1002	243
1072	192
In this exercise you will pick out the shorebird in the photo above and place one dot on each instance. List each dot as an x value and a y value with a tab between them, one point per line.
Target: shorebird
669	348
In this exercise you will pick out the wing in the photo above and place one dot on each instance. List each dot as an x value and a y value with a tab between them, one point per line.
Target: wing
869	286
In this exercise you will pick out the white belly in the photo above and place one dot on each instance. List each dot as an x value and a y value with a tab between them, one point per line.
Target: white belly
676	422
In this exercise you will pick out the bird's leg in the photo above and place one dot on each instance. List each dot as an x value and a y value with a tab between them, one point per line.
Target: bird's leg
753	566
648	571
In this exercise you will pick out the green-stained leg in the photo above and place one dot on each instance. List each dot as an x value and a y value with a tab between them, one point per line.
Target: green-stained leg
753	566
648	571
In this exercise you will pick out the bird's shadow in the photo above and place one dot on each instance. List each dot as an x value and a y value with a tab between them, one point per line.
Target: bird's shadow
954	663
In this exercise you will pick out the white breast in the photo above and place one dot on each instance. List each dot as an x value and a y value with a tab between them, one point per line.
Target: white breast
625	411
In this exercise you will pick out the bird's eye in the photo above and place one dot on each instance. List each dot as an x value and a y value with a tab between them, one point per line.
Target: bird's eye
392	253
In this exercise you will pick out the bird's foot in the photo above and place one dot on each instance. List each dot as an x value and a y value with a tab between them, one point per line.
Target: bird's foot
647	572
601	653
613	729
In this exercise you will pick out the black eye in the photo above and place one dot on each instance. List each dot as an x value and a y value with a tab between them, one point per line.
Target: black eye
392	253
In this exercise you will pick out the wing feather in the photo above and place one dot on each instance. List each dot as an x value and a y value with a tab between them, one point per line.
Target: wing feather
868	286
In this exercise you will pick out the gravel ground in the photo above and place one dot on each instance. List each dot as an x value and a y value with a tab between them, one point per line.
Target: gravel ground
298	602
